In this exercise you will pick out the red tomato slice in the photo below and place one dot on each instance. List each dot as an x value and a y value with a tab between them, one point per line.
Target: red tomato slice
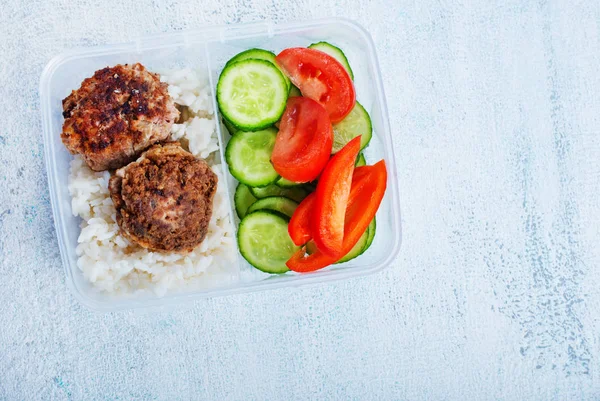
320	77
364	200
304	141
331	200
299	226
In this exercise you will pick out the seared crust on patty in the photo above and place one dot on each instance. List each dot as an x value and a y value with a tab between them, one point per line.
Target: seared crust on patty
164	199
117	114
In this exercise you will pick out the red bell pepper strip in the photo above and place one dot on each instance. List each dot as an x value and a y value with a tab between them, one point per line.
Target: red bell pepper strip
368	188
299	226
331	200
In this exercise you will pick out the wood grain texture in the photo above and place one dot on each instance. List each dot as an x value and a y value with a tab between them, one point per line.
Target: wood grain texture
496	112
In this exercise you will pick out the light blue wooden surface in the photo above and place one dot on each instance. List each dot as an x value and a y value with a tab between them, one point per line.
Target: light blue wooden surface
496	111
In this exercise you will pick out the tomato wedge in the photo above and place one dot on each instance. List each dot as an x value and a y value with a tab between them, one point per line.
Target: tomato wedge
364	200
320	77
304	141
299	226
331	200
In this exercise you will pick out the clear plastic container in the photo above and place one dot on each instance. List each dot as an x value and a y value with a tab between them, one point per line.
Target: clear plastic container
210	48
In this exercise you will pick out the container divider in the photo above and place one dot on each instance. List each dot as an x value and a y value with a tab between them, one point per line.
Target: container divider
222	144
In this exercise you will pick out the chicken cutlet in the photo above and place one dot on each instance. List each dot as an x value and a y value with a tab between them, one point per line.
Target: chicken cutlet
117	114
164	199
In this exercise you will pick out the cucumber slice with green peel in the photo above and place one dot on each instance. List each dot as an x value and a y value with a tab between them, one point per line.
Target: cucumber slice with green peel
252	94
295	193
294	91
310	186
360	160
248	155
259	54
279	204
243	199
354	124
264	241
230	127
311	247
356	249
283	183
363	243
371	231
334	52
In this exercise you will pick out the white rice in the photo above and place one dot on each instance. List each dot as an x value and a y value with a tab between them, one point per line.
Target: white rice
114	265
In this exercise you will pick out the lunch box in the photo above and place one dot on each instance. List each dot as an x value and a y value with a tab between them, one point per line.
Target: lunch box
210	48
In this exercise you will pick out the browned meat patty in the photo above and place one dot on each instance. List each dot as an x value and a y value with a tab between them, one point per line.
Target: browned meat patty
164	200
117	114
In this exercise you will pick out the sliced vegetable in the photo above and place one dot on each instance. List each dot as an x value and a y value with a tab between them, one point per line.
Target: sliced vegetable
356	123
361	161
334	52
264	241
360	178
357	249
300	229
283	183
259	54
295	193
303	144
371	231
362	245
333	190
294	91
279	204
230	127
360	172
364	200
248	156
321	78
252	94
242	199
310	186
309	259
306	197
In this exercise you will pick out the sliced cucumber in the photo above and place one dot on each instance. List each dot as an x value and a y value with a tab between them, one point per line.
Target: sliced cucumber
242	199
360	160
334	52
259	54
248	155
295	193
252	94
356	249
264	241
354	124
310	186
294	91
279	204
371	231
311	247
230	127
363	243
283	183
